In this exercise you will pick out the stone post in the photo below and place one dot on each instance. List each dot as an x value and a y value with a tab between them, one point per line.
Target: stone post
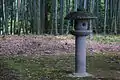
82	19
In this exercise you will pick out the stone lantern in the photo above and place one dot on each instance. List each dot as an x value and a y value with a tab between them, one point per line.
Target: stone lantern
81	30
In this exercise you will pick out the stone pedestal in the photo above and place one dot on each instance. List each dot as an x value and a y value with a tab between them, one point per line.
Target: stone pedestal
82	19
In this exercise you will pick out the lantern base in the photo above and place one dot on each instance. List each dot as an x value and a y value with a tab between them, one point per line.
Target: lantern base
80	75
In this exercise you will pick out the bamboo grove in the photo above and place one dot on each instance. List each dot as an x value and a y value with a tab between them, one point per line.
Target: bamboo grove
47	16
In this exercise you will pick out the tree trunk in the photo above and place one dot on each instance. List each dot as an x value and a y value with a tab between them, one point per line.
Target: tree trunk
75	5
105	19
39	17
67	11
46	18
11	18
55	26
92	11
42	16
61	16
85	4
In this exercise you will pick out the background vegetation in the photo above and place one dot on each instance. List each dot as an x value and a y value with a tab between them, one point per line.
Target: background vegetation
47	16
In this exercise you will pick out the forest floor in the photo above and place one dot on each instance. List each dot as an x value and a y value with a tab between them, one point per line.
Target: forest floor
52	57
54	45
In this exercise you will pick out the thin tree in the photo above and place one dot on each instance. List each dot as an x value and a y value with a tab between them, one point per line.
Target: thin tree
55	6
105	17
85	4
75	5
61	15
11	17
67	11
92	11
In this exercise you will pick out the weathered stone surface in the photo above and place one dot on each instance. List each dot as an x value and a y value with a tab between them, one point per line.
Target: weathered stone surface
80	15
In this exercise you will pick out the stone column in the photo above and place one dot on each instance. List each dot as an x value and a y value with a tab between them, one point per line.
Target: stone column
82	19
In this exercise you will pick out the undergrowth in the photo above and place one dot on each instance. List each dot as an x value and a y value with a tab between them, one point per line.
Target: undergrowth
58	67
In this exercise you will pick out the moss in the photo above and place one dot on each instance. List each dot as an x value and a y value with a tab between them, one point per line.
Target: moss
80	15
7	73
58	67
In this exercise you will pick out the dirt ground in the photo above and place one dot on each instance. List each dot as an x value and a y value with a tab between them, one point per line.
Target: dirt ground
46	45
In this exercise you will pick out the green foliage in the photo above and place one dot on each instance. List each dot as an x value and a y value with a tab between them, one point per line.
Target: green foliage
7	73
45	16
107	38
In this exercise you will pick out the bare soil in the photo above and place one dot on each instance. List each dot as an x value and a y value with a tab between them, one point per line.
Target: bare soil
48	45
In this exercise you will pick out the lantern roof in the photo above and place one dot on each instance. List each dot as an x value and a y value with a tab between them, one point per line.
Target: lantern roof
80	15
